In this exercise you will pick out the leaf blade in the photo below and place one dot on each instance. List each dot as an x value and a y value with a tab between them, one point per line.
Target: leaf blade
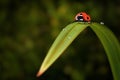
111	46
64	39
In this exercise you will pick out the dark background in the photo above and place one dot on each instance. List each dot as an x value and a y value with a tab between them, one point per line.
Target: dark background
29	27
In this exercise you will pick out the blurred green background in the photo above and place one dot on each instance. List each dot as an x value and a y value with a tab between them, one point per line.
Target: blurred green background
29	27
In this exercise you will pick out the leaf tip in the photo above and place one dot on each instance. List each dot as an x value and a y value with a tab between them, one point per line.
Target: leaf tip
39	73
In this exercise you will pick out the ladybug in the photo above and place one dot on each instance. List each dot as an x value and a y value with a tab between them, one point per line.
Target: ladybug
82	17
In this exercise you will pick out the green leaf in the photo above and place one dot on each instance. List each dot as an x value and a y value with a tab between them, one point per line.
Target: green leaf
111	46
70	32
64	39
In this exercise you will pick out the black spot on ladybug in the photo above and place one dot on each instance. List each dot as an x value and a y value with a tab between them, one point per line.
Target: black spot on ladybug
87	17
80	14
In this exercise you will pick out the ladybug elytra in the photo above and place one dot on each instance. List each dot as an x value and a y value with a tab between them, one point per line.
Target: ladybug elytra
82	17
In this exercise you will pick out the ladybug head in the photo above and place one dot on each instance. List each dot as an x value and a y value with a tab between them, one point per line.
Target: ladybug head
79	17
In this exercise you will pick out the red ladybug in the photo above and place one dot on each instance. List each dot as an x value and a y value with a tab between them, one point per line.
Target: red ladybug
82	17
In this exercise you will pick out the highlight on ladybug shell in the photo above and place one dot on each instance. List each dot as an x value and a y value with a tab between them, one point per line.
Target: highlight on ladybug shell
82	17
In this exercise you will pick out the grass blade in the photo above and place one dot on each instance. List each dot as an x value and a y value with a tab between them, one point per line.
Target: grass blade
111	46
64	39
